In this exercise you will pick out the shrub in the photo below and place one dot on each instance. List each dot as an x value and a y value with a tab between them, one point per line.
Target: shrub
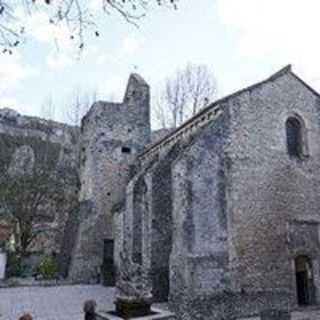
14	266
48	268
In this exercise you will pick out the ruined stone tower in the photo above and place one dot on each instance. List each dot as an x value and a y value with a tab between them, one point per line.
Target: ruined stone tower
112	135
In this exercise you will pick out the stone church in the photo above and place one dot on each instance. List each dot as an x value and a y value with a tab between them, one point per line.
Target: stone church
223	212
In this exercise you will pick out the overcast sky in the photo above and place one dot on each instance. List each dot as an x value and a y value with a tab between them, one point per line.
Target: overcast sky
243	41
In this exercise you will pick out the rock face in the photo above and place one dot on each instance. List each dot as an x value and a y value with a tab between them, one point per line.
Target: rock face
26	142
23	160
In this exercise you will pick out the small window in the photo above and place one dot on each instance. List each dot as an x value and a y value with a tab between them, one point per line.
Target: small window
126	150
295	138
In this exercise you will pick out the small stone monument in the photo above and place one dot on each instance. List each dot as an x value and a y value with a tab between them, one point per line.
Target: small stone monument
26	316
133	295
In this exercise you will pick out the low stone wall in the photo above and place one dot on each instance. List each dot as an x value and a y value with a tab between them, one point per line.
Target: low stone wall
312	313
31	282
307	314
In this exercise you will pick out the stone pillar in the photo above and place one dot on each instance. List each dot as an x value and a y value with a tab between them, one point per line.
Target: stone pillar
133	294
3	263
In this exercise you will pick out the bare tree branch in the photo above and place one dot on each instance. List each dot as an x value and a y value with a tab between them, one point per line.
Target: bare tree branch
183	95
48	109
78	105
77	15
29	196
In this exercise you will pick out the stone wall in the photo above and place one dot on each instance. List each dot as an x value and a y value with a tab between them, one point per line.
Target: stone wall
159	177
118	232
243	209
237	207
144	222
112	134
199	257
273	204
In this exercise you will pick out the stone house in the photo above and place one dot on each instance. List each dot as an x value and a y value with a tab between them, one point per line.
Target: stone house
223	212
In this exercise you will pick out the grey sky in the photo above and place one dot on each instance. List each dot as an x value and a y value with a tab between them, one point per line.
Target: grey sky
242	41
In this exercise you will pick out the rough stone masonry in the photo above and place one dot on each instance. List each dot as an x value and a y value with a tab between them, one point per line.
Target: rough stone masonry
223	212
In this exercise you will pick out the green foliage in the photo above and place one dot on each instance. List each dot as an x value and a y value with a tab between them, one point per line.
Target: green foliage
49	268
14	266
3	244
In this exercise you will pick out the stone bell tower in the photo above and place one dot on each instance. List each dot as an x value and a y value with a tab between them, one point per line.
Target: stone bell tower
112	135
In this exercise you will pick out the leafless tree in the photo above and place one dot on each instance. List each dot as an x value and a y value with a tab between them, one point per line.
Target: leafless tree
183	95
25	198
77	15
78	105
201	86
170	107
34	187
48	109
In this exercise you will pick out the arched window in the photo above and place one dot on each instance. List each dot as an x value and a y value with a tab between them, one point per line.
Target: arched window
295	139
304	280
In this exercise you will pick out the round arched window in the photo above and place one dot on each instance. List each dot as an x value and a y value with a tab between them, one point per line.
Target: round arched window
295	139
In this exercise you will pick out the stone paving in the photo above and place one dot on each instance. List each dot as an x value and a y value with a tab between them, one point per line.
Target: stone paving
65	302
52	303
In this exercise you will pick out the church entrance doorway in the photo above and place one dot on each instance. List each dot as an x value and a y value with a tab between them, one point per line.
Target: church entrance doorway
108	276
304	281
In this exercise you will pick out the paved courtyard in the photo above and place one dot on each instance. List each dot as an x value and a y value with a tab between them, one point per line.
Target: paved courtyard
65	302
52	303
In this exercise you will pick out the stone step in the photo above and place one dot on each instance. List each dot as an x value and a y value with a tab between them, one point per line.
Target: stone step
157	315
